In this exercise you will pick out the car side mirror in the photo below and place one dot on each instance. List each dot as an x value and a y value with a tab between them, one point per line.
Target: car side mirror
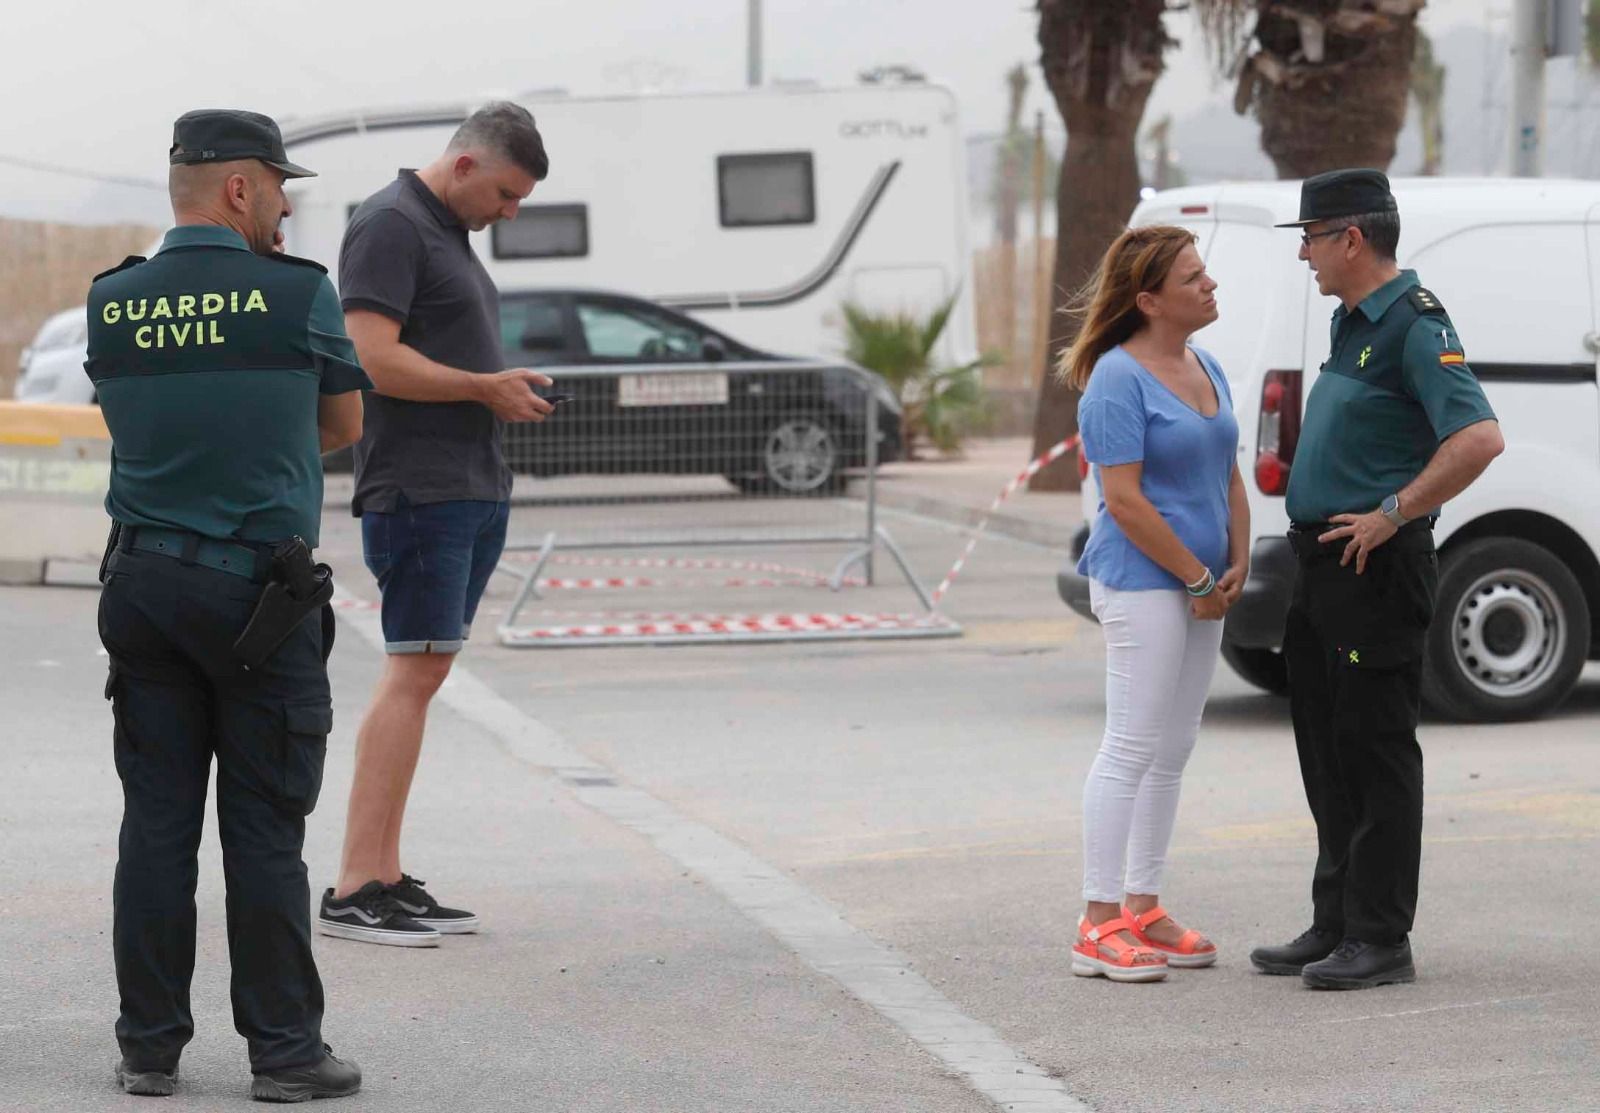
712	350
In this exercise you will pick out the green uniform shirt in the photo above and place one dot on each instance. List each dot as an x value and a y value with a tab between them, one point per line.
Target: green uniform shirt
1395	384
208	361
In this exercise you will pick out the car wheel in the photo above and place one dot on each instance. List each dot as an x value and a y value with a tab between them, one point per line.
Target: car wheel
1265	668
800	456
1510	633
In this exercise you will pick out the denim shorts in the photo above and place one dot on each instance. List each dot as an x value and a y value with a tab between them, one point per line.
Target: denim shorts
432	563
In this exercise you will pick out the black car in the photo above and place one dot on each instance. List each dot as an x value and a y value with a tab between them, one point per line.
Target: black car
656	391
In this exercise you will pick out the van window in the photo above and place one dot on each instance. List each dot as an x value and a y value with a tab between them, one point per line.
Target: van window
761	189
543	232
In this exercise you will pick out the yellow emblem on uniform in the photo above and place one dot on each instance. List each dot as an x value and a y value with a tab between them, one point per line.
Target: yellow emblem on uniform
1355	658
1366	354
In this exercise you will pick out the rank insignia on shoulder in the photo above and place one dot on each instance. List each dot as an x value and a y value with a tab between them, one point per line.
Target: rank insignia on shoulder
297	260
1424	301
130	261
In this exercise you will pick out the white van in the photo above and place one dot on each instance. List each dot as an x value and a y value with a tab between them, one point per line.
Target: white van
1516	263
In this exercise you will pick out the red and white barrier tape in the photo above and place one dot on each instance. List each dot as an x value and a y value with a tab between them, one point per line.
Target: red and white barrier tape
1011	488
619	583
730	626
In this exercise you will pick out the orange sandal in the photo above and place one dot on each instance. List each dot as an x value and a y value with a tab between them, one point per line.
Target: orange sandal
1128	962
1187	954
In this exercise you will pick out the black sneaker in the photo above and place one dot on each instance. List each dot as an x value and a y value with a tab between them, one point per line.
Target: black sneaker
1358	965
329	1077
415	902
1310	945
146	1083
370	915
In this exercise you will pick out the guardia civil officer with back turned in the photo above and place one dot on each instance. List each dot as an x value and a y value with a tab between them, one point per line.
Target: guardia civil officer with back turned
1395	426
223	371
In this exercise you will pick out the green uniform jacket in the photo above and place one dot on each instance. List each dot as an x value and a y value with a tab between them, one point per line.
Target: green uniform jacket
1396	383
208	361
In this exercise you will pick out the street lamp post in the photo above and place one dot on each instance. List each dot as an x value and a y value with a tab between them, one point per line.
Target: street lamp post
1527	88
753	47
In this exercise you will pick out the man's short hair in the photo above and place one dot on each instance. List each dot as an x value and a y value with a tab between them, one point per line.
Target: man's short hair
507	130
1381	231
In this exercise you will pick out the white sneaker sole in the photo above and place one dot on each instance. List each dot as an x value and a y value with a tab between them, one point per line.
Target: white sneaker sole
1086	967
381	936
464	926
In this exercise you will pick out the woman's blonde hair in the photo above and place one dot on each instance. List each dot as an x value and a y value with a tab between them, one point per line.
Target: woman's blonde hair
1137	262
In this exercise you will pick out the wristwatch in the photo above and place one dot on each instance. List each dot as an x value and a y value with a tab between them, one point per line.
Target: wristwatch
1391	510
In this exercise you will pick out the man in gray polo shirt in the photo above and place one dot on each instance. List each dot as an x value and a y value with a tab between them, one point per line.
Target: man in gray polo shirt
432	487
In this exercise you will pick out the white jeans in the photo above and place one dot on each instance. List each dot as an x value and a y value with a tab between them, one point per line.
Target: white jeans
1159	663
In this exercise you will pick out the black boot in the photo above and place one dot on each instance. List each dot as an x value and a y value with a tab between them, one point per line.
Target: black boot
330	1077
146	1083
1311	945
1358	965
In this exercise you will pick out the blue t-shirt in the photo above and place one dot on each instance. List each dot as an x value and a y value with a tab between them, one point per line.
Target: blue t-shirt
1128	414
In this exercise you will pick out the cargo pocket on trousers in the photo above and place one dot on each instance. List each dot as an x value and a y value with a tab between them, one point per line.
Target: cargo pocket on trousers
304	752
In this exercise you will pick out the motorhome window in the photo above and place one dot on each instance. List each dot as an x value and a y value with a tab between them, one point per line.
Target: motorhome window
761	189
532	325
543	232
613	331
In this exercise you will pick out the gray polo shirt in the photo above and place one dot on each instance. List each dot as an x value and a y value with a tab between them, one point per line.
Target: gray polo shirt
406	256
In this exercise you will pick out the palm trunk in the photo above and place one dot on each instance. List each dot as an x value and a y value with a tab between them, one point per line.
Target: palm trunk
1330	84
1100	62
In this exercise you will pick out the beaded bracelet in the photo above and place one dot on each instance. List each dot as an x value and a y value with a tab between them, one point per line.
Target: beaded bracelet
1203	586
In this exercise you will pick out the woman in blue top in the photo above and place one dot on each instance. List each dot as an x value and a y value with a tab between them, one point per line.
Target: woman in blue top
1167	557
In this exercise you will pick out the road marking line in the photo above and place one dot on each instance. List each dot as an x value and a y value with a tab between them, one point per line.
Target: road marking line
805	923
1447	1008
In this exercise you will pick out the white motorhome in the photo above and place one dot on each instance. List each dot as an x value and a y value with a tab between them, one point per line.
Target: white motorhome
759	211
1517	265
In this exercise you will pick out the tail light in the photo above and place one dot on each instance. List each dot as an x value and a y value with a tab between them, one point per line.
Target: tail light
1278	431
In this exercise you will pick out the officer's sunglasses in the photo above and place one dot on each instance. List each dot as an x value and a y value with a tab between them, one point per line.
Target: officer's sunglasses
1307	237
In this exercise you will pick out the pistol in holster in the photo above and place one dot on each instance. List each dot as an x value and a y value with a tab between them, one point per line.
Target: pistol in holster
297	587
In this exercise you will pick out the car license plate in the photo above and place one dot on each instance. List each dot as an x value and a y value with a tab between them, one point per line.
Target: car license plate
673	390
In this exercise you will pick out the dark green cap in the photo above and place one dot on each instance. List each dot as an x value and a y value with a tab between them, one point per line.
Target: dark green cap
1343	193
229	134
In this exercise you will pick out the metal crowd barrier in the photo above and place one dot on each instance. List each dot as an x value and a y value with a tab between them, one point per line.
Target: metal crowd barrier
739	463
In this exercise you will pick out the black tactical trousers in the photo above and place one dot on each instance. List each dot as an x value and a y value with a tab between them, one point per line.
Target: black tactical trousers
1353	645
179	699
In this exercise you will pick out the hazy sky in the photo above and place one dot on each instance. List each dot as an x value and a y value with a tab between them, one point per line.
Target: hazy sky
95	84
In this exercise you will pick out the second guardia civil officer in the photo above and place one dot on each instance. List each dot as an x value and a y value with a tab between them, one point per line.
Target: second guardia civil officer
1395	426
224	372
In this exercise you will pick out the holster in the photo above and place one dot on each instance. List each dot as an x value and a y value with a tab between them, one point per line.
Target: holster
297	588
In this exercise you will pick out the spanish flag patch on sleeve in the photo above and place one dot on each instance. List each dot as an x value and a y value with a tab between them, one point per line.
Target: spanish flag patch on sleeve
1446	359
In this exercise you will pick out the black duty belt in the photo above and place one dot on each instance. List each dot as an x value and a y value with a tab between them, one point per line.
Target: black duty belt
252	562
1303	536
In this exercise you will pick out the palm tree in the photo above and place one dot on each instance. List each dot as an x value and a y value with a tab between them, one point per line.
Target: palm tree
1328	79
1100	60
938	404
